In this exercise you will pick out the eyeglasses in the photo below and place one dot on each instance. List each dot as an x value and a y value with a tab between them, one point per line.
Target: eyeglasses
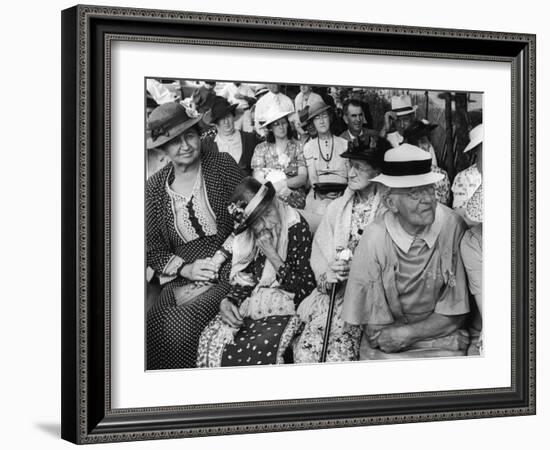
322	116
357	166
416	193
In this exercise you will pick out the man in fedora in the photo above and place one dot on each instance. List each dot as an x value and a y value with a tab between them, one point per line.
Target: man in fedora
407	285
398	119
239	144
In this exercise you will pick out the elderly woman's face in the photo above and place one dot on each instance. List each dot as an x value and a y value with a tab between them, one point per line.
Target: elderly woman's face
269	221
185	148
360	174
322	122
415	206
280	128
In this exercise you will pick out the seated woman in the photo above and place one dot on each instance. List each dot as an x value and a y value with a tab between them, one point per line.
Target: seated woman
326	168
270	276
186	223
334	243
280	159
471	249
239	144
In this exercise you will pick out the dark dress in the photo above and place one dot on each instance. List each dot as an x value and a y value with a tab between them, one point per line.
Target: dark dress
173	331
249	142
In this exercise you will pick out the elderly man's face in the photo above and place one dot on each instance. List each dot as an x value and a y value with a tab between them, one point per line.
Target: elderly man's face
415	206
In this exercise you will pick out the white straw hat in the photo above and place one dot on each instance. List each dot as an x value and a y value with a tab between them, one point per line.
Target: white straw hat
407	166
273	114
476	137
402	105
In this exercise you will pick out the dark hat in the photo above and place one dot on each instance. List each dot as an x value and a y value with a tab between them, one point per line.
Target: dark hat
220	108
360	149
326	188
168	121
251	199
418	129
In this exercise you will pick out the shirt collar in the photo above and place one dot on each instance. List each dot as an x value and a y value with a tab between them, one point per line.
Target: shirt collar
404	240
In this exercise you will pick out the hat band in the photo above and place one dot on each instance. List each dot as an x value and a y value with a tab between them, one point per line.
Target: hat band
164	129
404	168
254	202
404	108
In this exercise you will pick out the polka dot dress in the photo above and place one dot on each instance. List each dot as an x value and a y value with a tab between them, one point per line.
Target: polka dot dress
172	332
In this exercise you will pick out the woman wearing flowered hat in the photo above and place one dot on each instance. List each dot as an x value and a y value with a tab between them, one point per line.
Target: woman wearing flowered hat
270	276
186	223
333	246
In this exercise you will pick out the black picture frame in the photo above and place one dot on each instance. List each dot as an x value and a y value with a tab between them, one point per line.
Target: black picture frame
87	33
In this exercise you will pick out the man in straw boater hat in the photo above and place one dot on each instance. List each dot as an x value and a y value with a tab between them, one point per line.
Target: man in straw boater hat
407	285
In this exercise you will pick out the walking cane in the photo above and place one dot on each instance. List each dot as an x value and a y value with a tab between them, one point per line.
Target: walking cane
328	325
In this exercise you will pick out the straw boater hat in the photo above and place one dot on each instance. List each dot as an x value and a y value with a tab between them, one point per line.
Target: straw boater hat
407	166
476	138
315	109
220	108
245	212
273	114
402	105
168	121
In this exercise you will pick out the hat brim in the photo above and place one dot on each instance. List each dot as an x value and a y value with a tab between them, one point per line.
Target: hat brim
407	181
312	116
259	210
363	156
174	132
411	110
275	118
473	144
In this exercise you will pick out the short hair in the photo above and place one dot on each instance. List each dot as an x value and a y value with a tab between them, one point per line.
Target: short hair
358	103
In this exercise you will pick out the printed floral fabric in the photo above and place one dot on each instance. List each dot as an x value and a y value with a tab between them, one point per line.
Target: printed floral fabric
270	323
442	187
360	214
266	157
464	186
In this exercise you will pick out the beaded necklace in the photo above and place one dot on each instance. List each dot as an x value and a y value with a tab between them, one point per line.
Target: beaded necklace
328	158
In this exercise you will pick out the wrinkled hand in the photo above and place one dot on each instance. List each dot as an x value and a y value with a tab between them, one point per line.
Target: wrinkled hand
200	270
338	271
391	339
230	313
285	192
265	241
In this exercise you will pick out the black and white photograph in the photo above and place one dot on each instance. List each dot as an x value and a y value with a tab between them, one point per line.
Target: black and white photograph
303	224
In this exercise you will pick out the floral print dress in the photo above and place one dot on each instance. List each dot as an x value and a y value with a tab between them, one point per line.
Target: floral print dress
267	158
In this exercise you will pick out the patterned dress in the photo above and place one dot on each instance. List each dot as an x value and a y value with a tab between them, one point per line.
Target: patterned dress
344	339
263	339
179	231
266	157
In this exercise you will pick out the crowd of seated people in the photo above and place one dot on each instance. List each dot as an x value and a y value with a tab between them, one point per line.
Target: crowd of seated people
286	229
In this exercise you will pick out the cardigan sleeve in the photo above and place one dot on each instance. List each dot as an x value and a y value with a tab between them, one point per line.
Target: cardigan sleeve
160	257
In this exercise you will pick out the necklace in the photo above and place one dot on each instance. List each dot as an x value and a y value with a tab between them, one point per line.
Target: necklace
327	158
